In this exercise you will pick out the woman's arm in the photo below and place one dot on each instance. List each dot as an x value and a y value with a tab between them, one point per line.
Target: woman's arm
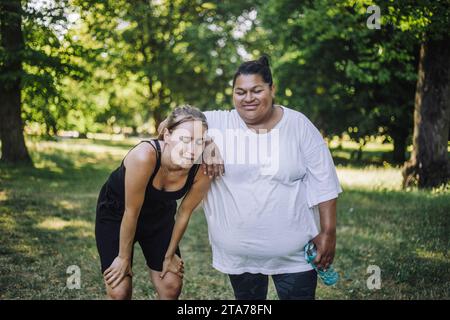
140	164
326	239
198	190
322	189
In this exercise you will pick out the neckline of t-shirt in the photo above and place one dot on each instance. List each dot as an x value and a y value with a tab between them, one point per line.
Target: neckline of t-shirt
276	126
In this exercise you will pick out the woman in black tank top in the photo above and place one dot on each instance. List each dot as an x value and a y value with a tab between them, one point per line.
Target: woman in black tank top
138	204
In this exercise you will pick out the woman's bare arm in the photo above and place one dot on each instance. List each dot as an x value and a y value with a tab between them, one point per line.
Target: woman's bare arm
139	164
198	190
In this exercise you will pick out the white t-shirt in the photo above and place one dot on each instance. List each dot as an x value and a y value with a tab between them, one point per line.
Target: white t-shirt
263	211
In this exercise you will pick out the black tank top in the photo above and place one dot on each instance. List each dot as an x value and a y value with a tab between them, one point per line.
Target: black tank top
156	202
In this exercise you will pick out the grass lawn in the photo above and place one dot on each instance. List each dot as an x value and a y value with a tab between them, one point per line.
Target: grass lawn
47	216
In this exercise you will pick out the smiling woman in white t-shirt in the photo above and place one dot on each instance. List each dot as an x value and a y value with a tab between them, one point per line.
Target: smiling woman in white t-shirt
279	180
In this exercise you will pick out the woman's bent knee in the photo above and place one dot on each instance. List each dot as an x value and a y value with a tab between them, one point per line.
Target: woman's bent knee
169	288
123	291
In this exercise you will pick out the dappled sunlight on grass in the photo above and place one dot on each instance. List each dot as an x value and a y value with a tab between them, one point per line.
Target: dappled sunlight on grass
370	146
3	196
74	154
48	164
7	223
370	178
434	256
59	224
69	205
78	145
47	217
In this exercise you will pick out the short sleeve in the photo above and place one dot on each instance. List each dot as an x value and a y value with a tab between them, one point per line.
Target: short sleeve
322	183
215	118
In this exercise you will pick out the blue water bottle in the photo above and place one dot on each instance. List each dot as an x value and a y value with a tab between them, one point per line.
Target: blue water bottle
328	276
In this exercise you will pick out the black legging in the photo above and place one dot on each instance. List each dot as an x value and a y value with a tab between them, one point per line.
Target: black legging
289	286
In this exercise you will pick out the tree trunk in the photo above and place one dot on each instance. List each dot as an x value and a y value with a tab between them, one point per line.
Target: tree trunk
429	166
14	149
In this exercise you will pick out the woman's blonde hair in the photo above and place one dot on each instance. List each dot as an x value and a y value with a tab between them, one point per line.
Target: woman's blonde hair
180	115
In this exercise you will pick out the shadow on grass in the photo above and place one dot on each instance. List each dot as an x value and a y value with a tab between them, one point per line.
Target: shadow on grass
120	143
47	220
67	167
47	223
38	241
348	158
404	233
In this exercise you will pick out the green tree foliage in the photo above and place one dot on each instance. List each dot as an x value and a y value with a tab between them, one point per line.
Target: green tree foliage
347	77
175	51
49	58
118	65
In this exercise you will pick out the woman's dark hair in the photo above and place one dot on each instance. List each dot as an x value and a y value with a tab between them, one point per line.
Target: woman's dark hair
260	66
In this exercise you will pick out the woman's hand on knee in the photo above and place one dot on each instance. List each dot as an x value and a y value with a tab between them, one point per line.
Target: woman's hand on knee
172	264
119	269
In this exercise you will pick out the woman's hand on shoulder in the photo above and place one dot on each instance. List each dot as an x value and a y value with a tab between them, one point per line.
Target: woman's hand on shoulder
212	164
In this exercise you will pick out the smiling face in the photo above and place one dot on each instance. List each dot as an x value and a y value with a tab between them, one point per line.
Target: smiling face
186	142
252	97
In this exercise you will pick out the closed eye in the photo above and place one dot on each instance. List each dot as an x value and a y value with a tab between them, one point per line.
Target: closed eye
185	139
